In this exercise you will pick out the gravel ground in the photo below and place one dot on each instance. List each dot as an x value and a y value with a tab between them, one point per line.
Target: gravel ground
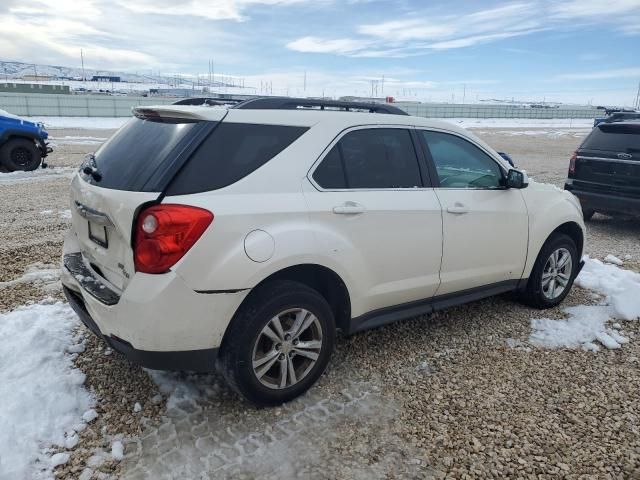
457	394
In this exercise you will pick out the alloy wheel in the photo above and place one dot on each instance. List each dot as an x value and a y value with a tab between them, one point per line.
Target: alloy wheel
557	273
287	348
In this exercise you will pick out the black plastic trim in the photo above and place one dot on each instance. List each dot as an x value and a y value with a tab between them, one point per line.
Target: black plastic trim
91	284
286	103
233	290
190	360
403	311
606	203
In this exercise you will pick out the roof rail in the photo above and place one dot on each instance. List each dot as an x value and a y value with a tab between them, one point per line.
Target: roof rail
286	103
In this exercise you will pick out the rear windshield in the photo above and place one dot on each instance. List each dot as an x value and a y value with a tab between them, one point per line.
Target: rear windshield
231	152
614	137
140	149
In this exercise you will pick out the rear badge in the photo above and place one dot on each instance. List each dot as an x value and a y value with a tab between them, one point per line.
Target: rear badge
124	272
625	156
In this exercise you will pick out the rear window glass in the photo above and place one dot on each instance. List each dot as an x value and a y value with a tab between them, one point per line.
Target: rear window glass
231	152
614	137
138	150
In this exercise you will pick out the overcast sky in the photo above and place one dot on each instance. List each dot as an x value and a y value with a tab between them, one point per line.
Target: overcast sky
573	51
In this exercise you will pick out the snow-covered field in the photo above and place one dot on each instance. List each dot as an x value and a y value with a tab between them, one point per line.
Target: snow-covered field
94	123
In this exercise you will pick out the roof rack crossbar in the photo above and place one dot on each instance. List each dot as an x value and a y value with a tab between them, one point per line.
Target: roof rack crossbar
286	103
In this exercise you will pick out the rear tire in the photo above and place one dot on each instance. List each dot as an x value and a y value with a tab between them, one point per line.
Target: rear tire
553	273
20	154
257	349
587	214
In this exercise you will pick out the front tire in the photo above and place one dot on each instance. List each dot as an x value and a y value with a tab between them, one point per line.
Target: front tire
20	154
553	273
278	343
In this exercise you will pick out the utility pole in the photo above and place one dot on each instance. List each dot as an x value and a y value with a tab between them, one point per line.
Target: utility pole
304	85
464	92
84	79
637	104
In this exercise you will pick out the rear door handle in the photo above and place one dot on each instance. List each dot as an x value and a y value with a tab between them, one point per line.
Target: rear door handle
458	209
349	208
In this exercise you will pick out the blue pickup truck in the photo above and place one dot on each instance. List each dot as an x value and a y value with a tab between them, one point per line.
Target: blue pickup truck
23	143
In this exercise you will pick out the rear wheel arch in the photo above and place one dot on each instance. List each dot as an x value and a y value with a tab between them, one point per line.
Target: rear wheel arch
321	279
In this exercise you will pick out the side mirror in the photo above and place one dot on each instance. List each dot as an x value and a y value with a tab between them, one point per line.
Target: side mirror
517	179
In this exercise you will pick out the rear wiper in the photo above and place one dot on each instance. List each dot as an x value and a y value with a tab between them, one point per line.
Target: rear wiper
89	167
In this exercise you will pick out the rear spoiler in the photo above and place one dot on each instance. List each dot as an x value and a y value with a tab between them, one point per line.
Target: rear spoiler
179	114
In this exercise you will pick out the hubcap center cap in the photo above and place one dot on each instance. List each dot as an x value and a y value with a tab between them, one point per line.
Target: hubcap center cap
286	347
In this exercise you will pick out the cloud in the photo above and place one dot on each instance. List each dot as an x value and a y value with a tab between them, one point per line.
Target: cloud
319	45
213	10
601	75
425	31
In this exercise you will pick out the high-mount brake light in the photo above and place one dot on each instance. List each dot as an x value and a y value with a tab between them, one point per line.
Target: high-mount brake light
164	233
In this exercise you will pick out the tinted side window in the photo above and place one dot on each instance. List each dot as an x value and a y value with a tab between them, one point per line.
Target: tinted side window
330	173
615	138
380	158
461	164
232	151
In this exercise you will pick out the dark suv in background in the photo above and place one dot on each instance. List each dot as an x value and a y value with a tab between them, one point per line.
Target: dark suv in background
604	173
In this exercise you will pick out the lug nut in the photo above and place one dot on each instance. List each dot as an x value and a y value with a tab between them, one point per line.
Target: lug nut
281	357
296	341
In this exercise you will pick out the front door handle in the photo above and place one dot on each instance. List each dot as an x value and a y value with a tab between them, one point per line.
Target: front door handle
349	208
458	209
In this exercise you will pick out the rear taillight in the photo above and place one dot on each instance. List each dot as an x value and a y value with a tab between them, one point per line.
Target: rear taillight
572	163
164	233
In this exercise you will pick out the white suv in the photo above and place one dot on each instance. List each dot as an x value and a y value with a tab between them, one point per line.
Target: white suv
245	238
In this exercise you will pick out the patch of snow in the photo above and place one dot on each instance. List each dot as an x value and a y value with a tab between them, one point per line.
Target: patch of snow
586	326
76	140
41	174
628	257
71	440
137	407
59	459
621	287
79	348
582	123
117	450
97	459
517	345
613	259
36	273
93	123
90	415
86	474
41	393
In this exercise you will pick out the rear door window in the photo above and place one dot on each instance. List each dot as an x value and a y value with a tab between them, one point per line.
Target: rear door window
139	150
231	152
614	138
371	158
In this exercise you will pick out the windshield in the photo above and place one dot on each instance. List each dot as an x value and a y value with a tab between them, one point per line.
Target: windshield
614	137
129	159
